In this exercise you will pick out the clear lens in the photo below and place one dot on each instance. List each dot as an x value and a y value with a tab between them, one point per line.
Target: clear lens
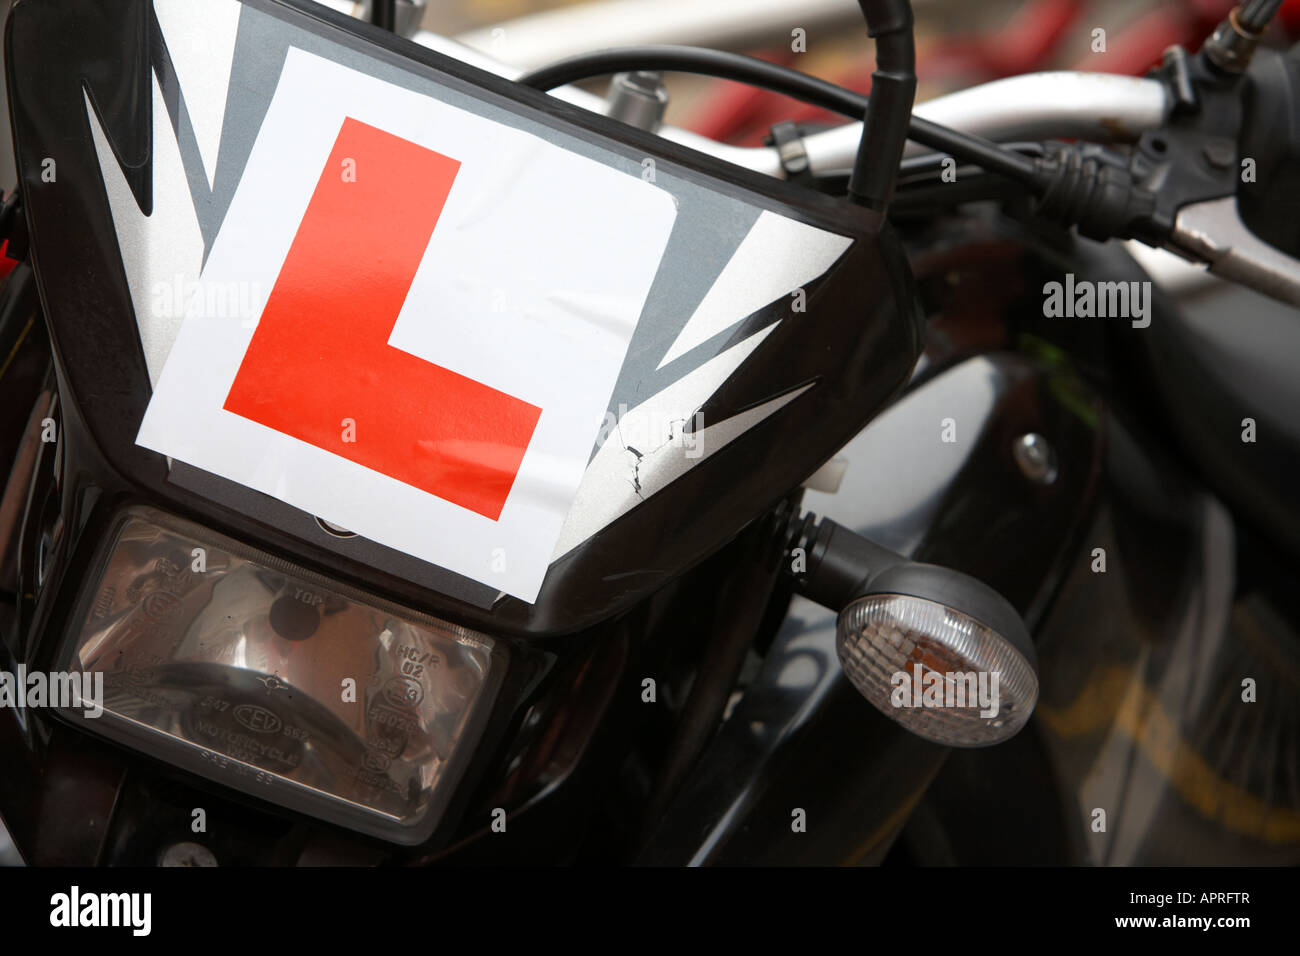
940	673
264	677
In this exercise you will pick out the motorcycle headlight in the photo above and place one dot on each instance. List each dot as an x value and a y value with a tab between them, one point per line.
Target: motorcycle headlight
265	677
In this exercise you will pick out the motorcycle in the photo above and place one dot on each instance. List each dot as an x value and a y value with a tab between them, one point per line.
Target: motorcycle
415	459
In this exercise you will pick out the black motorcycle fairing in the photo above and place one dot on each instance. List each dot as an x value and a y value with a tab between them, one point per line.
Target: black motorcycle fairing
801	736
1230	393
1270	135
562	727
1221	386
1168	681
854	346
1168	603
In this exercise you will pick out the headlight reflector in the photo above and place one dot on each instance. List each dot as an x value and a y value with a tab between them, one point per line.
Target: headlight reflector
267	678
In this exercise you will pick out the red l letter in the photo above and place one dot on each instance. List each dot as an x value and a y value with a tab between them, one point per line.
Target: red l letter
321	354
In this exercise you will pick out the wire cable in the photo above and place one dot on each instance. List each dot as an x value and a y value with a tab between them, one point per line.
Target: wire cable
884	113
383	14
893	89
1256	14
780	79
702	61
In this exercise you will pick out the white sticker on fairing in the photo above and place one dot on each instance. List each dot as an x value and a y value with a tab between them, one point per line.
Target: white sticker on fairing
410	323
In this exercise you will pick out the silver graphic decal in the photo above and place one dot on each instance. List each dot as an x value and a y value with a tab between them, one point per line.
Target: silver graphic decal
649	447
202	52
777	256
162	253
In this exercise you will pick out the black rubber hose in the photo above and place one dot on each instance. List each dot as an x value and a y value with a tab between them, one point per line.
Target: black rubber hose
893	88
703	61
975	149
884	116
801	86
1256	14
383	13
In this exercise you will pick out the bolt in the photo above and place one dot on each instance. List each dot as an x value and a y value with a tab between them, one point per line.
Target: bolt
1035	458
187	854
1218	154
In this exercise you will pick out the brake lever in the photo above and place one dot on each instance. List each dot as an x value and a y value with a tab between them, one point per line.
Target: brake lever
1212	232
1177	188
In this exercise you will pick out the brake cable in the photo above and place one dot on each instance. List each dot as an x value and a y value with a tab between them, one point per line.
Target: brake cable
1156	194
782	79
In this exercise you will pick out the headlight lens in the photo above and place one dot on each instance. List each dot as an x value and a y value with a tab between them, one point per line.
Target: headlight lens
267	678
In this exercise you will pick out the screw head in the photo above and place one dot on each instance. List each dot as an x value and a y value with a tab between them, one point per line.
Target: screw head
1219	153
187	854
1035	458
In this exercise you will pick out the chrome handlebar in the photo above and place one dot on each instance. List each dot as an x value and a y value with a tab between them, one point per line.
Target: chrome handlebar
1095	107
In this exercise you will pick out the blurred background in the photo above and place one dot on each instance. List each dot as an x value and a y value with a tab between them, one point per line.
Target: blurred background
959	43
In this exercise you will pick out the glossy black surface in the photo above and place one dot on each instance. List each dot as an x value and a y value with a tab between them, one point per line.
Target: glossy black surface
1142	665
856	343
802	737
1141	715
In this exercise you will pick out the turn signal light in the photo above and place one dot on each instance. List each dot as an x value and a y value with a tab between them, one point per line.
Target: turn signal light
941	654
